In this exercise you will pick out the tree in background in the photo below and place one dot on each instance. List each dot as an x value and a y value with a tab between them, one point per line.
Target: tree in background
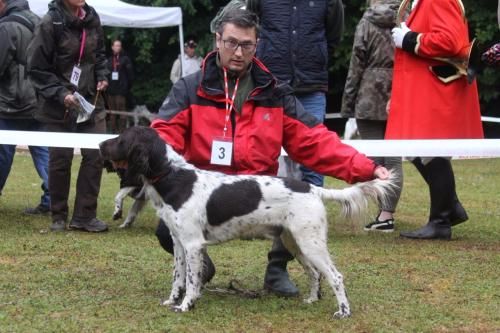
154	50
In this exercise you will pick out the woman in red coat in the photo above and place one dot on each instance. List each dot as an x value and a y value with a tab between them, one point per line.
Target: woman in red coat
430	100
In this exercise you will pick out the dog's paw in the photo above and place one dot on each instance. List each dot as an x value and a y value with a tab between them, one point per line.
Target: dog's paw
169	302
311	300
341	314
181	308
117	215
124	225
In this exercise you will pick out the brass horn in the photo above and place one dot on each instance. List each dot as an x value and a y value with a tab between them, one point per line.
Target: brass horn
461	63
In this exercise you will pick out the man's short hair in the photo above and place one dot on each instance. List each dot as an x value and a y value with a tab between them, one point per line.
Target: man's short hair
241	18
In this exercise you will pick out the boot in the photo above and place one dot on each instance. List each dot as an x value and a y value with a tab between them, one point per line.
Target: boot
276	279
441	181
458	214
432	230
166	242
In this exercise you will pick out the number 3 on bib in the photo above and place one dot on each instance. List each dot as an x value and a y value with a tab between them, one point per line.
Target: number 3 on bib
222	152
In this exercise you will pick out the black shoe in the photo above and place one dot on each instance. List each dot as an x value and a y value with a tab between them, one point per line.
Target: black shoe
208	269
278	282
431	230
38	210
383	226
94	225
59	225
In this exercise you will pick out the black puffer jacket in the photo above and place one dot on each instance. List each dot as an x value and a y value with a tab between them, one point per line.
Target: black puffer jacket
17	95
123	65
297	39
369	80
54	52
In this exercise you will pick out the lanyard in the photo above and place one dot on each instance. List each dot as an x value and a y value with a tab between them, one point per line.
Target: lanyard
115	61
229	102
82	46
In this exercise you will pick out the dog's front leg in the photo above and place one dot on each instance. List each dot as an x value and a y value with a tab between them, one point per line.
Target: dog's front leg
120	196
194	265
133	212
179	275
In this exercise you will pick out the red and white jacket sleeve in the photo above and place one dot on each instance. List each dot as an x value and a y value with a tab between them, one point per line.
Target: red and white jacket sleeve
310	143
175	118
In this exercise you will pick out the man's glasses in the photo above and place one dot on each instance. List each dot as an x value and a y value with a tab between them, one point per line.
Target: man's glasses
233	45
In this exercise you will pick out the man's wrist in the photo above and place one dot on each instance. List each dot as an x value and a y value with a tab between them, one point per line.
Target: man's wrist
411	42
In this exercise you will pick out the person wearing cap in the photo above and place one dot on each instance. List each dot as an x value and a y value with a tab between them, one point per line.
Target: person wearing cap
191	62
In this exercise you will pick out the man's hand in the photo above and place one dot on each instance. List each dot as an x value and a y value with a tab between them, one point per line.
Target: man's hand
398	34
381	173
70	101
102	85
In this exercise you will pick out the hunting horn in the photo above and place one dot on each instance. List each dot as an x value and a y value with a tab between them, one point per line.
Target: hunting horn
465	63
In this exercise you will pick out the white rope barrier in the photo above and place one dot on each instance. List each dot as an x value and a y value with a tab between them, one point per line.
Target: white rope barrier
483	119
422	148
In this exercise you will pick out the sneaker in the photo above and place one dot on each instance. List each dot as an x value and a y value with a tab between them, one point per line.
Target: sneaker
59	225
38	210
384	226
94	225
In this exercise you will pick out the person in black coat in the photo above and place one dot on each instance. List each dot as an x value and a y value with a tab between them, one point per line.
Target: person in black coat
120	81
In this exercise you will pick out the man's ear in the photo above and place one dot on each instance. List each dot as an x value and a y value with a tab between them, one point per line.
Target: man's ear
218	40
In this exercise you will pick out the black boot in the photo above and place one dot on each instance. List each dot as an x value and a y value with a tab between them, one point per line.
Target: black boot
166	242
276	279
441	181
458	214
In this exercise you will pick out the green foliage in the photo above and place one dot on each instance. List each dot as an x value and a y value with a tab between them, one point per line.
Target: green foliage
154	50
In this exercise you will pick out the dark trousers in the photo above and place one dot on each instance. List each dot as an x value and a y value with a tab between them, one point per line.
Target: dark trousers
375	130
89	175
117	123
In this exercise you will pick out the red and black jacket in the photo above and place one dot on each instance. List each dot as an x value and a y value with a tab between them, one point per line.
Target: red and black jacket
192	116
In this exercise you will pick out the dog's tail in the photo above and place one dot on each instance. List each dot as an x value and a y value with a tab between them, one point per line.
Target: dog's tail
355	199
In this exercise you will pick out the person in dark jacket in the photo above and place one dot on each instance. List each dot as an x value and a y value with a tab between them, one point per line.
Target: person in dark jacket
296	42
260	116
65	57
120	82
17	96
368	89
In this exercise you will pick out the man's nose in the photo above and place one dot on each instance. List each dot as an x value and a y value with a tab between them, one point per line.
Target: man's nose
238	51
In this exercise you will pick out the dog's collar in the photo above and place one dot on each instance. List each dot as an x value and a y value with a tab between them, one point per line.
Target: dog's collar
156	178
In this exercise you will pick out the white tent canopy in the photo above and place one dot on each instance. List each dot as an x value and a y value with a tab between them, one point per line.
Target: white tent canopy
116	13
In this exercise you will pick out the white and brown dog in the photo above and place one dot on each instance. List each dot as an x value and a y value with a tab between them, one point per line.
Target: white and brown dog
202	208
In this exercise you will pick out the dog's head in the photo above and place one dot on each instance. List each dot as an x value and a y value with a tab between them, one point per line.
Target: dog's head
138	150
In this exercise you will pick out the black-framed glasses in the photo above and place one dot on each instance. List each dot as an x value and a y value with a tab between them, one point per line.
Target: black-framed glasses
233	45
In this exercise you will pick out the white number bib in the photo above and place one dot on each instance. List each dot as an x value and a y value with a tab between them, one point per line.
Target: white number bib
222	152
75	76
114	76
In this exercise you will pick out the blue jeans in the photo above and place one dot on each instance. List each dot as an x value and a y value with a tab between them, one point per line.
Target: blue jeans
40	155
315	105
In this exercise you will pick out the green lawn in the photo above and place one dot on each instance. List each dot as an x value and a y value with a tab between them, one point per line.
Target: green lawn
113	282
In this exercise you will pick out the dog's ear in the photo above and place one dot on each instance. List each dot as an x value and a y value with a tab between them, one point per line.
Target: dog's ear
138	161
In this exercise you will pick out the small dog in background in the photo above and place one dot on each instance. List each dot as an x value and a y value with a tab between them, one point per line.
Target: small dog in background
202	208
128	188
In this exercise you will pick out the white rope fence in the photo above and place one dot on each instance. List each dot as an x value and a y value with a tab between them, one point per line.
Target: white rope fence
421	148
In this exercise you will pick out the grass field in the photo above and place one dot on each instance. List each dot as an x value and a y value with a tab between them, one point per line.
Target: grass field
113	282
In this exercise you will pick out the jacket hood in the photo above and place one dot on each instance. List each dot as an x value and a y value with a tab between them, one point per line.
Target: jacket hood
15	6
383	14
90	20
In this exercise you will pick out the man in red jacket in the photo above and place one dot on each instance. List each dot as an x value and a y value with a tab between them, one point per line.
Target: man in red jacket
234	117
430	100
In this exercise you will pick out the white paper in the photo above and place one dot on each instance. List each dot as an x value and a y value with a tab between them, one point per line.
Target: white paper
85	109
222	152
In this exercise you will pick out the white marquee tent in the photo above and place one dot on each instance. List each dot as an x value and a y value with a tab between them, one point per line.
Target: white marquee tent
116	13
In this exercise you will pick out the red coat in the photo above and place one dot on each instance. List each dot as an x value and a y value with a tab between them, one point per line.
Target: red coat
193	115
422	106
